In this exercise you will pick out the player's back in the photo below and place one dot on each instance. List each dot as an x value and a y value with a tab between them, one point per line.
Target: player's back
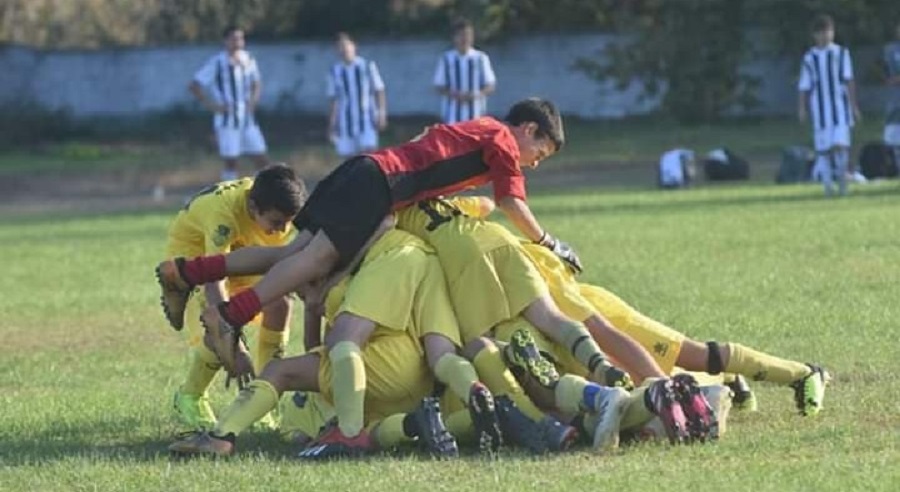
446	159
450	228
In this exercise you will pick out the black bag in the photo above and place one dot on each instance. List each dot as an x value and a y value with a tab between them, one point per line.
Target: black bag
877	161
731	168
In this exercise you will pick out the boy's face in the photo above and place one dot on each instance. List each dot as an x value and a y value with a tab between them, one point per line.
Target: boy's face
346	49
532	147
824	37
272	221
464	38
234	41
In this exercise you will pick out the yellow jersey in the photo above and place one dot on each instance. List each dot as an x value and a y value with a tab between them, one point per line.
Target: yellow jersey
217	220
454	230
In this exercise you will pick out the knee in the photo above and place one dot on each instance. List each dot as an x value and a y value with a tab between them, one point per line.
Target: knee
278	311
472	348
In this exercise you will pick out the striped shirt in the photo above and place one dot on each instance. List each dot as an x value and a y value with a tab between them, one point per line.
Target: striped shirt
824	76
892	63
231	84
354	86
469	72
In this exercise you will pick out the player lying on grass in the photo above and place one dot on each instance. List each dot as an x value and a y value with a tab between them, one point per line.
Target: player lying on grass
598	308
415	311
222	218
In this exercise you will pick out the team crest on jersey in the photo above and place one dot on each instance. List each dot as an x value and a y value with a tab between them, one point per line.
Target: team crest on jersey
221	236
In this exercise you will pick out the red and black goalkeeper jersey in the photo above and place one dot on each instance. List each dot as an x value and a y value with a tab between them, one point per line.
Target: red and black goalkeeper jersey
447	159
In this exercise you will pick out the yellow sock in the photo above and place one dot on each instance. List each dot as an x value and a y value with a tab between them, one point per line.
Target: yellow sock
256	400
459	424
269	345
457	373
569	393
202	368
576	338
348	385
763	367
500	381
389	431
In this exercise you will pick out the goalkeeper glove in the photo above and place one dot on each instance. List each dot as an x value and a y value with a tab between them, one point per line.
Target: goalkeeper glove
563	251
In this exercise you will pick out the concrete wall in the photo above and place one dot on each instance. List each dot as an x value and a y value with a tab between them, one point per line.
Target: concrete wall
127	82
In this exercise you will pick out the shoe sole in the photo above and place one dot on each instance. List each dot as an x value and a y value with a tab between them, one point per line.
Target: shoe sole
702	422
606	432
181	297
427	415
484	419
811	407
672	416
528	358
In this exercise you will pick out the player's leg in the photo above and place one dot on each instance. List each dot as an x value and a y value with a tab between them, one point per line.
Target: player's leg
344	343
841	156
628	353
808	381
229	141
273	332
191	402
253	402
253	145
824	163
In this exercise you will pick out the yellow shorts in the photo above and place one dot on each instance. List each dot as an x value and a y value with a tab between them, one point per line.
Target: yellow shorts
495	287
663	343
305	412
397	376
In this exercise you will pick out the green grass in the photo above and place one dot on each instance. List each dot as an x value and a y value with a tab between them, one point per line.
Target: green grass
89	367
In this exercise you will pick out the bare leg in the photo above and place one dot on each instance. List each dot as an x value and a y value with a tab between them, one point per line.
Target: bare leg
307	266
633	357
257	260
293	374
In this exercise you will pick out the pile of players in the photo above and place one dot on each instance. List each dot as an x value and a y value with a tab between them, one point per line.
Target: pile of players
441	326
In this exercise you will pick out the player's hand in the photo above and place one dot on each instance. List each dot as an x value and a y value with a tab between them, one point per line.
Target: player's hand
243	369
563	251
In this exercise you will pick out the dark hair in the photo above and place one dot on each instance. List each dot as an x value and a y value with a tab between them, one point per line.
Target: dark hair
343	36
460	24
822	22
542	112
230	28
278	187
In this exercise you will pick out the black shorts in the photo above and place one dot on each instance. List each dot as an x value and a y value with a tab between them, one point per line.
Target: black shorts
348	206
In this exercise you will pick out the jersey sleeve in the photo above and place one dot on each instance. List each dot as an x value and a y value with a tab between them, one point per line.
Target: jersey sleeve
377	83
847	66
806	76
440	73
207	73
487	72
502	159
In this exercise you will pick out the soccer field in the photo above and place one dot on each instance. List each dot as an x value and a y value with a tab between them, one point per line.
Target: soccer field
89	365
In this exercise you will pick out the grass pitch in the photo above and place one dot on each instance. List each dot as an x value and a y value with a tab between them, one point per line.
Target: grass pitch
89	366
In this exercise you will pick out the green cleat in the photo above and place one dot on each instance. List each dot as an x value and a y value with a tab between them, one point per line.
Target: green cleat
523	357
194	411
744	400
809	392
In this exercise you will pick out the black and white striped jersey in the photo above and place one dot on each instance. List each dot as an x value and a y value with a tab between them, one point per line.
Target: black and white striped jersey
824	75
467	72
354	86
231	82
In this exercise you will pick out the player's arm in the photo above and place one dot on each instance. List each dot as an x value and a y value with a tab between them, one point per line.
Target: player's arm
489	83
847	76
802	101
519	213
255	94
200	94
804	87
380	95
332	118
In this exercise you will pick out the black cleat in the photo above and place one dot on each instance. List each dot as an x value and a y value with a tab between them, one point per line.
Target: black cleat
432	434
484	419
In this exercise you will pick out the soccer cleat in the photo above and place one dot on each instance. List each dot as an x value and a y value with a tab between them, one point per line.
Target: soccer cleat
523	356
484	419
614	377
194	411
332	444
664	404
702	424
809	392
720	399
432	434
203	443
744	399
518	428
609	407
221	337
175	291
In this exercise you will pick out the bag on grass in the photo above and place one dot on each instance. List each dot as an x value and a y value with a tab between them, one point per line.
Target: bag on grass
877	161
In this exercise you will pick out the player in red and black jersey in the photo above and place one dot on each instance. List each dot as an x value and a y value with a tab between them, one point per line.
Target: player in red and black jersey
347	209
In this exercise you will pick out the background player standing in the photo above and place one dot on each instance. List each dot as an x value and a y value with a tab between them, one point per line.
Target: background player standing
233	81
828	97
358	102
464	77
892	123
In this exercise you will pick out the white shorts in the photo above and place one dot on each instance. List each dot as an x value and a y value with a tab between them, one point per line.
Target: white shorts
235	142
892	134
830	137
351	146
